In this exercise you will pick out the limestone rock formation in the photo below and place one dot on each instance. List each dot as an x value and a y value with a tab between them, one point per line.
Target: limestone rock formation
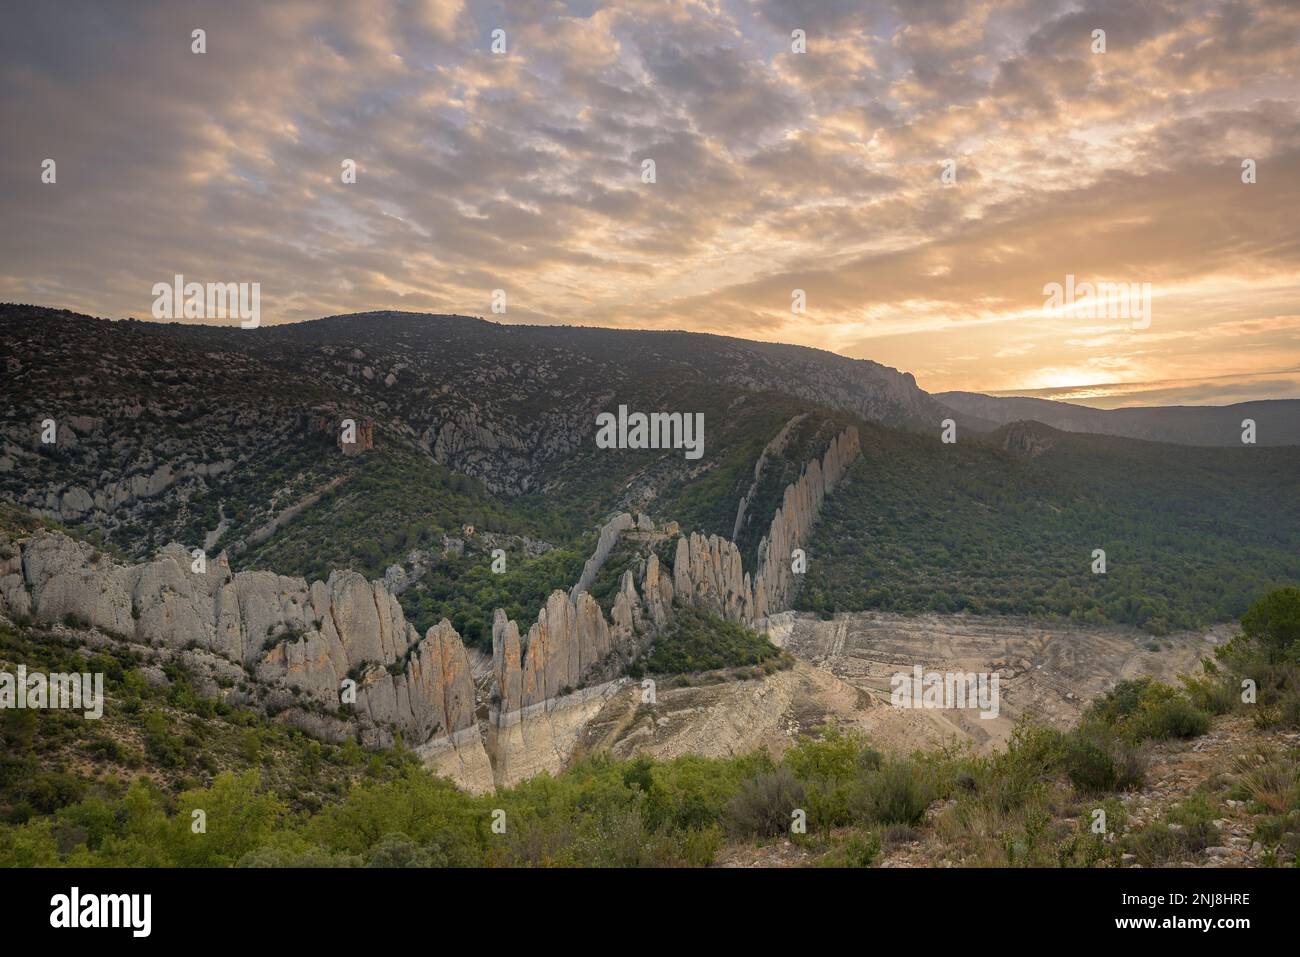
708	574
288	634
799	508
605	543
658	591
569	645
773	447
308	639
546	683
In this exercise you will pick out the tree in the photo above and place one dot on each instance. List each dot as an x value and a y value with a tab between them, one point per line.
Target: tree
1274	622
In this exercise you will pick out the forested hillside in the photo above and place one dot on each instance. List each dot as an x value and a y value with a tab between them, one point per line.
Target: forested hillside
1191	535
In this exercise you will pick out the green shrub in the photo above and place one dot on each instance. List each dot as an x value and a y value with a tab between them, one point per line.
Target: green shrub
699	641
1212	692
764	805
1097	759
1186	830
898	793
397	850
1273	623
1172	718
827	768
857	851
1143	709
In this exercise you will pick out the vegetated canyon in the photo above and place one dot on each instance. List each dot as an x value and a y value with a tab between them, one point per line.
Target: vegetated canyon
466	582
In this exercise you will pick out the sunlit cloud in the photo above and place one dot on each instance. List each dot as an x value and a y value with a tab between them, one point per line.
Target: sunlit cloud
775	171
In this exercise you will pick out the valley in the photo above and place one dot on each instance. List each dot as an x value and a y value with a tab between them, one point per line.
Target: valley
473	593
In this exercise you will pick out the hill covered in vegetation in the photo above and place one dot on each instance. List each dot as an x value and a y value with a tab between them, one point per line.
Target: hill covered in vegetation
1008	524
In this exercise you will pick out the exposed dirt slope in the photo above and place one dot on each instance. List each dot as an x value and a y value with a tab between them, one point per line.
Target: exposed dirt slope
1047	669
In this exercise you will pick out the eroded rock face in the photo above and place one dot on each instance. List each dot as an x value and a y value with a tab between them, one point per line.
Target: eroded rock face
799	509
309	638
281	630
605	543
546	683
658	589
570	644
707	572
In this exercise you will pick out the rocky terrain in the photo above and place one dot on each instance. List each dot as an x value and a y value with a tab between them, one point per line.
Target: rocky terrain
236	440
155	425
332	652
1048	670
269	513
299	643
572	646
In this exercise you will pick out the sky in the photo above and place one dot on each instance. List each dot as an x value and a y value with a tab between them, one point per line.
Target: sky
923	171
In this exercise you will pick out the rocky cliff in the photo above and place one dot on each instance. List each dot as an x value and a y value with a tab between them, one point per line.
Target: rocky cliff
773	448
605	542
536	716
774	584
302	644
285	634
707	572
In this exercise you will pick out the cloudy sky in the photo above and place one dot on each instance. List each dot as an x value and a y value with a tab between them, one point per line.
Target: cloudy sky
775	171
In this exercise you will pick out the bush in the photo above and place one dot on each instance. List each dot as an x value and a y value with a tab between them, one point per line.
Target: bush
1267	651
1097	759
1269	780
694	847
900	834
1273	623
1212	692
397	850
699	641
279	857
1187	829
857	851
1172	718
827	768
764	804
1142	709
895	794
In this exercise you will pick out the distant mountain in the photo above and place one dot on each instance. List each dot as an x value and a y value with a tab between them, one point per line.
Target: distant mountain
1277	421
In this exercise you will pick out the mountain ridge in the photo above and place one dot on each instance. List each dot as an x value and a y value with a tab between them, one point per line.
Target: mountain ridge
1277	420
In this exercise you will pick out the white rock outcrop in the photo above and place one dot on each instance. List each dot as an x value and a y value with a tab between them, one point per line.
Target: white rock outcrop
281	630
546	682
608	538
